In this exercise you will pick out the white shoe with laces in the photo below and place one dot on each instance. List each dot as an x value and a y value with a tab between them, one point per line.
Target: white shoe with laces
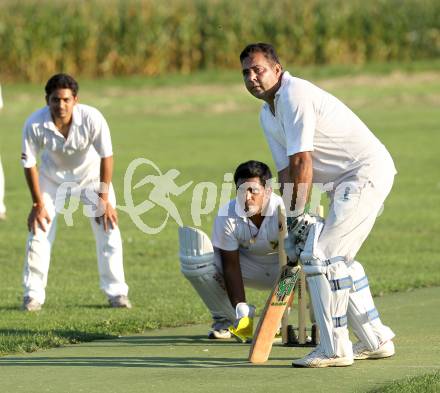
318	359
361	352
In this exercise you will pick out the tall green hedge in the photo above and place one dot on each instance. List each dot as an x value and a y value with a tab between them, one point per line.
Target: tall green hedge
123	37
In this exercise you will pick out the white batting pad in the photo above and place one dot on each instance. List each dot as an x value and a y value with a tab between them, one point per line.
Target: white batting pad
197	265
195	246
311	257
329	295
363	316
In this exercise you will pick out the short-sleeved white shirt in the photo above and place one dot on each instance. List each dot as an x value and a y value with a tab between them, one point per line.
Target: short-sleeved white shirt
74	159
308	118
235	231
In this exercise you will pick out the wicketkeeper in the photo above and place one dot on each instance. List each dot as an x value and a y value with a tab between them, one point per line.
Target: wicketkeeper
76	161
243	252
315	138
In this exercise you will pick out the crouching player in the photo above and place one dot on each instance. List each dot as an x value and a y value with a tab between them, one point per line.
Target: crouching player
243	253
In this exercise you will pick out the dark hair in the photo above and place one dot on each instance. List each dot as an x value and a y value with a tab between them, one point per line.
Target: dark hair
61	81
252	168
266	49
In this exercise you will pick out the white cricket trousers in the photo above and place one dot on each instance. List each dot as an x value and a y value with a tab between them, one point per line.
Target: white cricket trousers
355	204
39	246
2	189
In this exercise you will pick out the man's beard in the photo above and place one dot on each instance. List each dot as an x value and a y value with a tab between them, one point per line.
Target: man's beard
251	210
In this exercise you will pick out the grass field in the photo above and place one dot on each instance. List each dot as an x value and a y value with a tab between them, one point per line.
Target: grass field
204	128
184	360
426	383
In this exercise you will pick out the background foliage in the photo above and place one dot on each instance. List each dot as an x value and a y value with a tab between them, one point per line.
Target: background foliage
149	37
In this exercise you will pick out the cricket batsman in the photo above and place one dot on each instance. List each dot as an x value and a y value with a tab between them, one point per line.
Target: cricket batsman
243	253
76	161
315	138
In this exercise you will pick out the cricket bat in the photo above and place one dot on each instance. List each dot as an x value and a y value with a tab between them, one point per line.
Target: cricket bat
272	314
276	304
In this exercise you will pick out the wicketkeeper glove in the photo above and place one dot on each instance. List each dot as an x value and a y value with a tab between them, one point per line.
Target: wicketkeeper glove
243	327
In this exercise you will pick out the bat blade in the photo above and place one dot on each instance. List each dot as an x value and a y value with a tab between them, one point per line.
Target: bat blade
272	314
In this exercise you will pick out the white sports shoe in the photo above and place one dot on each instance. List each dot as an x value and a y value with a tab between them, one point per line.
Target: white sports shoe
218	334
30	304
361	352
318	359
219	330
120	301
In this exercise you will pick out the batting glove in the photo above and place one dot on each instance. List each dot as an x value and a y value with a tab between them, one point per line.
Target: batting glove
297	231
299	226
292	247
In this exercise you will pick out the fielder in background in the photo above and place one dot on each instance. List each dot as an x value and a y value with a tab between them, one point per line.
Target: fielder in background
2	177
245	253
315	138
76	160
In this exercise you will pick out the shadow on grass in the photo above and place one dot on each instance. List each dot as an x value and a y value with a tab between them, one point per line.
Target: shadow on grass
101	340
171	340
71	335
97	306
11	308
139	362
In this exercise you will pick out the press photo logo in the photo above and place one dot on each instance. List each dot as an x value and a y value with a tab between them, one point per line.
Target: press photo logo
150	192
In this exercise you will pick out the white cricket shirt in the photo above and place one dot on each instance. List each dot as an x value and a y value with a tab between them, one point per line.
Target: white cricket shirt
235	231
74	159
308	118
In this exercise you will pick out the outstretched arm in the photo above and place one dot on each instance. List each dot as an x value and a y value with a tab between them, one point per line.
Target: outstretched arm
38	213
232	276
109	216
299	175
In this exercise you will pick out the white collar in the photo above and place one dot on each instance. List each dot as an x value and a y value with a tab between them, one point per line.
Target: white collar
286	75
